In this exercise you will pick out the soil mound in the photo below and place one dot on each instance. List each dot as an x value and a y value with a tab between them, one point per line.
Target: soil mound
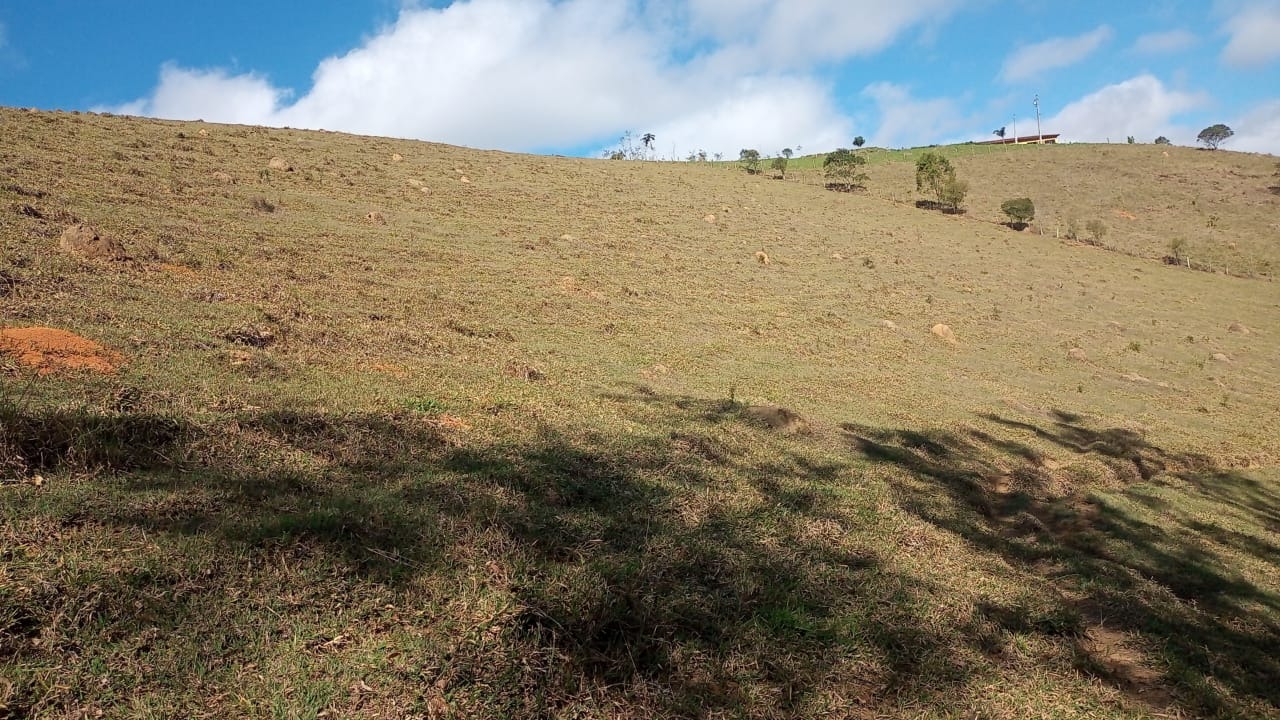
85	240
780	419
50	350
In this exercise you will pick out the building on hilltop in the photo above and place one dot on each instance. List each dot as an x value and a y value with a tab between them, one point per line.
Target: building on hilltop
1048	139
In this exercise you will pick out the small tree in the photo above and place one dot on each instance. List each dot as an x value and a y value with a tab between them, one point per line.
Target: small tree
1020	211
1215	135
859	141
1097	230
933	171
780	163
843	170
998	133
954	191
750	160
1131	140
1162	140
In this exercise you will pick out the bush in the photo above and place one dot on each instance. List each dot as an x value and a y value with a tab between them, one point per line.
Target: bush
954	191
933	172
1020	212
750	160
1097	230
859	141
1162	140
780	164
1131	140
843	170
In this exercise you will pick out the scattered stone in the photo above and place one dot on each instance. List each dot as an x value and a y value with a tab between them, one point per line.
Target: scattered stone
1077	354
762	257
203	133
279	163
888	324
376	218
1135	378
396	157
1221	357
780	419
837	256
464	179
709	217
1236	327
567	237
224	178
85	240
944	332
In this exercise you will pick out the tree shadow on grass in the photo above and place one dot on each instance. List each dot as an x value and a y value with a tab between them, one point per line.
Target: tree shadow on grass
629	575
1131	561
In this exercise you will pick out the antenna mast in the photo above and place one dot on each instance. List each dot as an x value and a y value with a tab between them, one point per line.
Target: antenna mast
1039	135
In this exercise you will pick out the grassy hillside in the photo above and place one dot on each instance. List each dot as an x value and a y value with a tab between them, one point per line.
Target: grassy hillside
408	430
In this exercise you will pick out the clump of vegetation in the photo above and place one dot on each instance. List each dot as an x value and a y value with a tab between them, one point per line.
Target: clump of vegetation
1097	231
1131	140
750	160
780	163
1162	140
936	176
859	141
843	170
262	204
1020	212
1215	135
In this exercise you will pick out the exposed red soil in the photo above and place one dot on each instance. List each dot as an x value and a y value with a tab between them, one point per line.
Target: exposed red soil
50	350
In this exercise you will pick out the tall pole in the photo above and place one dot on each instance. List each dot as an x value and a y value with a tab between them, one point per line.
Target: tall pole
1039	135
1015	128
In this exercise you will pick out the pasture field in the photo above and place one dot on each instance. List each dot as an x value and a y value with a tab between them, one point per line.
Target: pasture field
373	428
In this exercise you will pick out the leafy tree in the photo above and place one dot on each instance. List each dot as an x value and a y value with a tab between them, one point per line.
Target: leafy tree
750	160
859	141
1131	140
932	173
954	191
1020	211
780	163
1215	135
1162	140
648	139
843	170
998	133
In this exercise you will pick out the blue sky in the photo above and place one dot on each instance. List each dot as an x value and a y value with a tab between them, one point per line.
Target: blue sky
570	76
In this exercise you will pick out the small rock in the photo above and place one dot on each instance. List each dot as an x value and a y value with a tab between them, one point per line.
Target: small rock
888	324
1221	357
224	178
279	163
376	218
1077	354
1239	328
396	157
837	256
944	332
709	217
762	257
464	179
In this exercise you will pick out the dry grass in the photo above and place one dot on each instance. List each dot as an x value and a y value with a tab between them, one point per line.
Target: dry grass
501	453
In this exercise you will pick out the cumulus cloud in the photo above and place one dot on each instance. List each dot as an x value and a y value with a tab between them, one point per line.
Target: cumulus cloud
1258	130
1029	61
540	74
1141	106
1254	35
1163	43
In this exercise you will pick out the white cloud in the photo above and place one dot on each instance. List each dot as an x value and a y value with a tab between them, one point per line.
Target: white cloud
790	33
906	121
1141	106
1029	61
1254	35
536	74
1163	43
1258	130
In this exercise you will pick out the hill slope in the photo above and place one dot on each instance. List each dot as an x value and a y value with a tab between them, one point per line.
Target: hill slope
400	428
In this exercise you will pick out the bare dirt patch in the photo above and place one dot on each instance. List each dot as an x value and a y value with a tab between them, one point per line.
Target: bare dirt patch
50	350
